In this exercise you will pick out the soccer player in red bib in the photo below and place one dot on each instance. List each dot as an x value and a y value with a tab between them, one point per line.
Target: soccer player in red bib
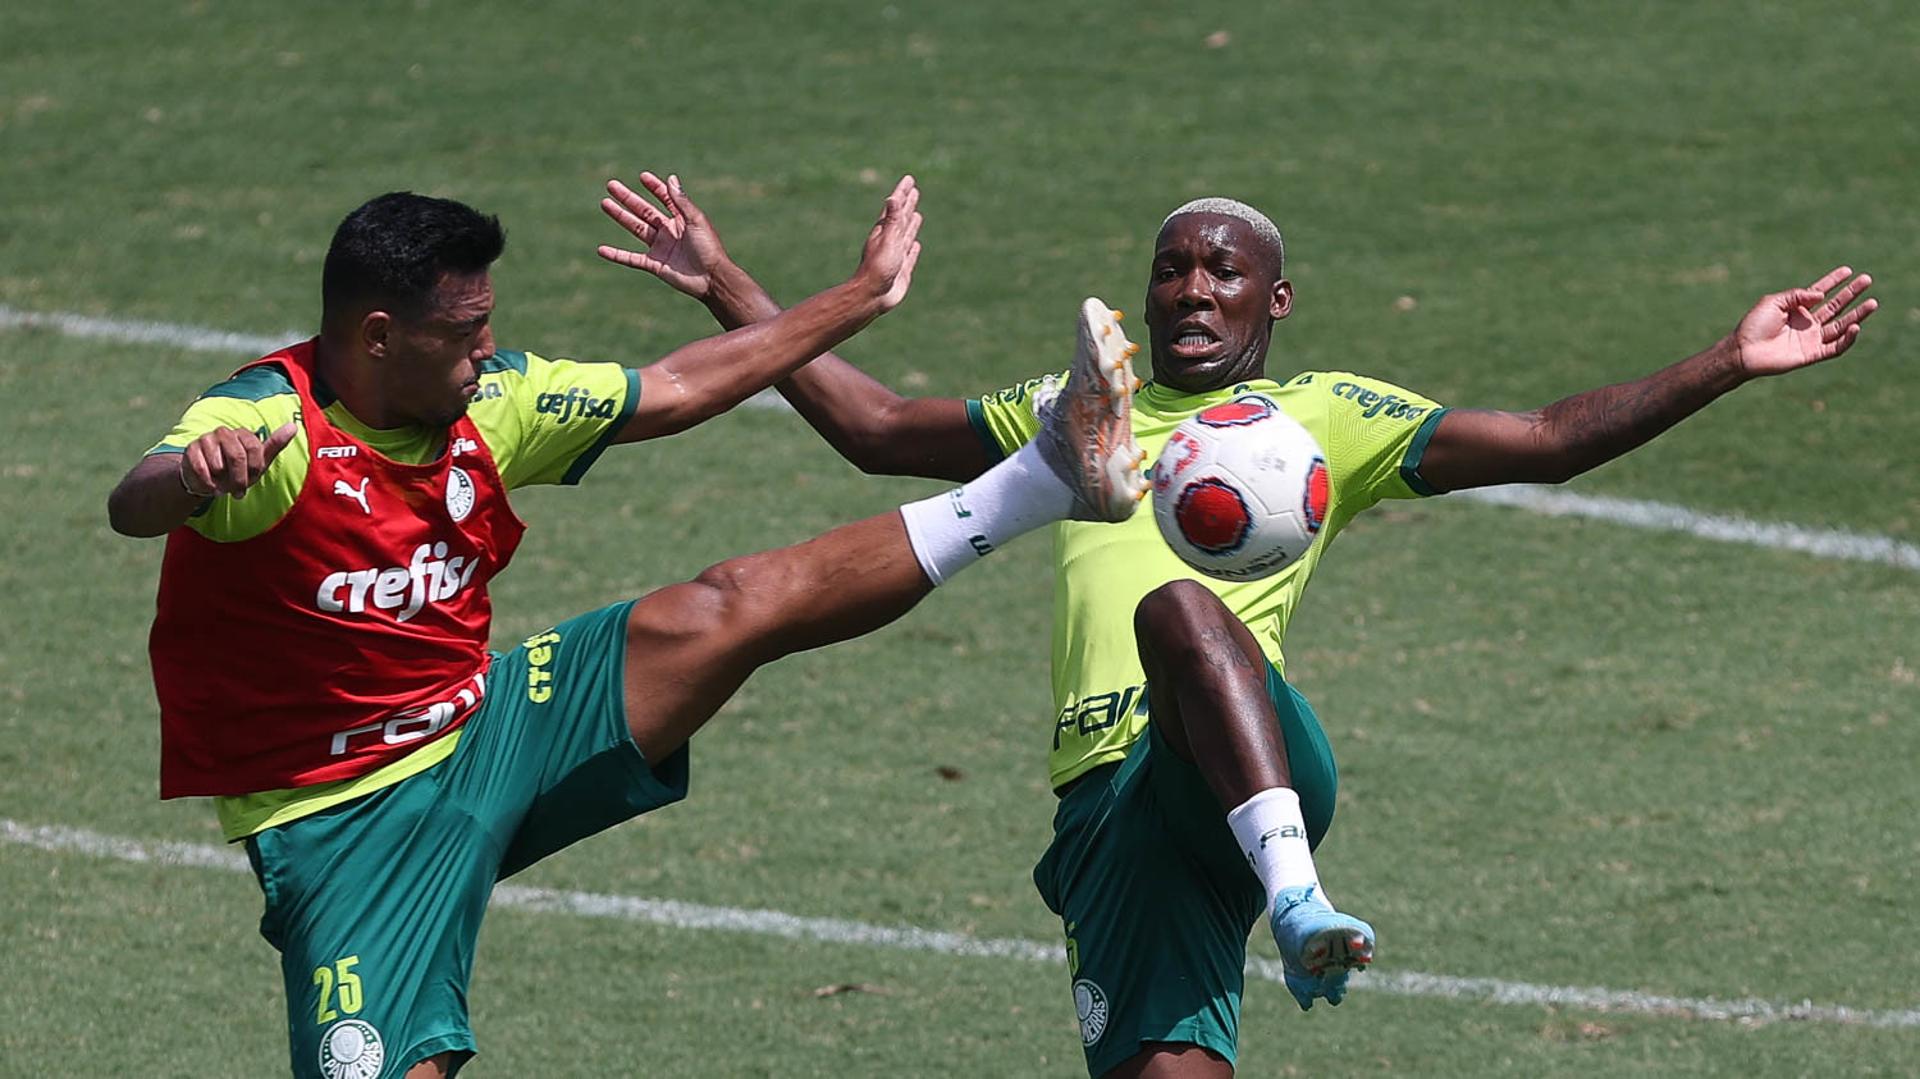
334	513
1193	780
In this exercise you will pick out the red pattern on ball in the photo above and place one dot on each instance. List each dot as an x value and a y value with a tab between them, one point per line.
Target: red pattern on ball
1236	413
1317	494
1213	516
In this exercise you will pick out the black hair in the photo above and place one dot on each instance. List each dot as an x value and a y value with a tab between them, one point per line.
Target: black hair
394	249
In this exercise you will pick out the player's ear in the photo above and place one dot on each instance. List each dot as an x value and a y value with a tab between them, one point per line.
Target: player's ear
375	327
1280	304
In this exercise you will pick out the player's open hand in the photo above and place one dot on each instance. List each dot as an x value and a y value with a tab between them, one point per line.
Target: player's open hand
1803	326
682	247
893	247
228	460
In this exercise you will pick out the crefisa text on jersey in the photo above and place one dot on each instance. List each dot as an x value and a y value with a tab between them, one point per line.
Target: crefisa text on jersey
574	402
1372	403
429	577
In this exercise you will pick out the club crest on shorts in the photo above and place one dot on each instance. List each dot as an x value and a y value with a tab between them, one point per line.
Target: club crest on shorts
351	1049
1090	1003
459	494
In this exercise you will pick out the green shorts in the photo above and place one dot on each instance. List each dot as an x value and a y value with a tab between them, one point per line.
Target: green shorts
375	904
1155	895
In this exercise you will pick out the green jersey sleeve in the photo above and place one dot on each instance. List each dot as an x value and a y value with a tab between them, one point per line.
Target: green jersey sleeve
259	399
548	421
1375	436
1005	419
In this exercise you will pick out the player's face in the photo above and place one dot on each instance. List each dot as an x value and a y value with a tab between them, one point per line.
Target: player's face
432	368
1212	298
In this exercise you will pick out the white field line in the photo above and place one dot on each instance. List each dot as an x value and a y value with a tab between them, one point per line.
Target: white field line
1666	517
1821	543
675	914
1552	502
203	339
141	332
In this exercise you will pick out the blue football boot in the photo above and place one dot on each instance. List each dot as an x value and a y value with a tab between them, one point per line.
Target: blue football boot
1319	946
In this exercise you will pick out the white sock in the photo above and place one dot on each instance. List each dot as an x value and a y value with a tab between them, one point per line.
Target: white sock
952	531
1273	836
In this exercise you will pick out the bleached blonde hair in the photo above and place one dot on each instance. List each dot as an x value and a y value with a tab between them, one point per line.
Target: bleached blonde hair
1262	225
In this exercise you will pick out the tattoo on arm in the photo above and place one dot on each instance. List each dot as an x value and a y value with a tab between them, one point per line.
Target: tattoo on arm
1601	424
1570	436
1220	650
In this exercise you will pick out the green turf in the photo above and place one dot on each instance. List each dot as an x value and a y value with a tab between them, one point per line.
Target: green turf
1572	754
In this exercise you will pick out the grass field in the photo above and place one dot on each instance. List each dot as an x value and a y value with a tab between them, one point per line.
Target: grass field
1573	754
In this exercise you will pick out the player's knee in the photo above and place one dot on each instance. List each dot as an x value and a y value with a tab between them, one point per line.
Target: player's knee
720	596
696	609
734	609
736	600
1172	615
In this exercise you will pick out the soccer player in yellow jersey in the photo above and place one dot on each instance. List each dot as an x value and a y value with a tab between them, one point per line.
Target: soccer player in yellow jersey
1193	781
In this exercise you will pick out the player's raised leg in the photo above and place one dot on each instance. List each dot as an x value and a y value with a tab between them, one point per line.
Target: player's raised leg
1215	701
690	646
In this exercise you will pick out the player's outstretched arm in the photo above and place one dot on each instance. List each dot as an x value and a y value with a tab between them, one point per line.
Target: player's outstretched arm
158	495
701	380
880	432
875	429
1783	332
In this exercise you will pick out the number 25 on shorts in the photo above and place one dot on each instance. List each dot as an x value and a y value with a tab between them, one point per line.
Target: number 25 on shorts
340	974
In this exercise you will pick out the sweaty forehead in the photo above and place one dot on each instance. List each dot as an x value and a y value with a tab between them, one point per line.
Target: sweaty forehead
1206	233
463	297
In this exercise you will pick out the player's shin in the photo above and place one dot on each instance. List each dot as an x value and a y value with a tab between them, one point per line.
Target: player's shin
952	531
1319	946
1273	836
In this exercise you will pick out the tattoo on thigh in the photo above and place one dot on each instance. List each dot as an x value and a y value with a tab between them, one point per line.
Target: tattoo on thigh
1220	650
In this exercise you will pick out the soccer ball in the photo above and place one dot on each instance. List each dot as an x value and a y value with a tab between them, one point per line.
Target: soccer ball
1240	490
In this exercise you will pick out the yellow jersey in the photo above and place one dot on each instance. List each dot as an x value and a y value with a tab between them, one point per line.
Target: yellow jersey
1373	434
